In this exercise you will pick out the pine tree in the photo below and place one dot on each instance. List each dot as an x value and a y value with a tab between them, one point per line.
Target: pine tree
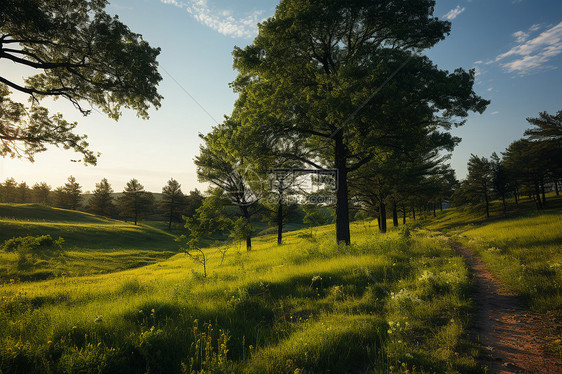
102	201
135	201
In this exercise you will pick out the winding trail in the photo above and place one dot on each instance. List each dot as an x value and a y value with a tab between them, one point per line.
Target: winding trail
513	335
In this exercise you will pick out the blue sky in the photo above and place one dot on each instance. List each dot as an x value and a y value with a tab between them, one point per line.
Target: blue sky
515	45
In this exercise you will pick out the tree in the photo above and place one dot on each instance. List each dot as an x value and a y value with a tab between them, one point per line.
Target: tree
40	192
220	162
23	194
547	131
73	193
173	201
135	202
500	179
192	201
479	179
101	201
319	73
9	191
83	55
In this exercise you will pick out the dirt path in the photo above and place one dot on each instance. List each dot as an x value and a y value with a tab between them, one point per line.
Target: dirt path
513	336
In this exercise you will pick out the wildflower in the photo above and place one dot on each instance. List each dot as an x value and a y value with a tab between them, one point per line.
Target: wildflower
74	327
50	342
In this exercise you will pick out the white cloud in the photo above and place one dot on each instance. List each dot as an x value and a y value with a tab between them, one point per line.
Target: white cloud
495	113
520	36
533	54
454	13
219	20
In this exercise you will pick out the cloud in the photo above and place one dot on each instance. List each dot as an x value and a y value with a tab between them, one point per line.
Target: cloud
495	113
453	13
520	36
533	54
222	21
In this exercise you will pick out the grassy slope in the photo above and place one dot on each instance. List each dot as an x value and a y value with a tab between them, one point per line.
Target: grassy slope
523	249
92	243
387	304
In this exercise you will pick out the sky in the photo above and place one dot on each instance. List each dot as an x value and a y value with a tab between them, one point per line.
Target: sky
515	46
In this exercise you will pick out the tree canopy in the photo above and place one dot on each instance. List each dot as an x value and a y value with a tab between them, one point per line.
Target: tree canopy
83	55
344	79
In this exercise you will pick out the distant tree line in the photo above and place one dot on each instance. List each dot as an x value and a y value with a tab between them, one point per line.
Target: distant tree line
530	167
133	203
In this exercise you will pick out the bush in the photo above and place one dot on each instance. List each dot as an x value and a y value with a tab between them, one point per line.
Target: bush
32	243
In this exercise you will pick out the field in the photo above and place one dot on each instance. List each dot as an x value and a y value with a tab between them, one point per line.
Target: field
394	303
401	300
92	244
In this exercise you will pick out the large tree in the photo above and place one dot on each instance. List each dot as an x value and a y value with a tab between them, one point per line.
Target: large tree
81	54
341	78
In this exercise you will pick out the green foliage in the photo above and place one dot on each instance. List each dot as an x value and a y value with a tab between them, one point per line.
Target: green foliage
102	202
33	243
135	202
241	229
83	55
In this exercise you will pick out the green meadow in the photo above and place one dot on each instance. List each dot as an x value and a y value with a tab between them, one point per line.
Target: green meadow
92	244
389	303
122	298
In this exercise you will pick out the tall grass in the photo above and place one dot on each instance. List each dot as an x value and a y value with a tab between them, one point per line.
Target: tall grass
385	304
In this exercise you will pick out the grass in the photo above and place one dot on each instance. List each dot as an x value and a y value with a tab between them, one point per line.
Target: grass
93	244
523	249
387	304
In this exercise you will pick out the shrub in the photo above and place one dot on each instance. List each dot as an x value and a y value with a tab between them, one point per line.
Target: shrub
32	243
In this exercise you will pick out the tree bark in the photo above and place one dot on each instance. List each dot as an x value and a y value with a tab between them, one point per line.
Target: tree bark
382	213
249	237
413	212
342	203
171	215
434	213
403	214
280	218
394	214
556	187
543	192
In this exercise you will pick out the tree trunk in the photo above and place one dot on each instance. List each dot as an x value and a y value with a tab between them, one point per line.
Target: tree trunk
342	204
487	202
538	196
440	204
280	219
249	237
394	214
556	187
413	212
504	205
383	217
543	192
434	213
403	214
171	215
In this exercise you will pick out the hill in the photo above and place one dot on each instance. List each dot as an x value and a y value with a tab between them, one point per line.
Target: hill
92	243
